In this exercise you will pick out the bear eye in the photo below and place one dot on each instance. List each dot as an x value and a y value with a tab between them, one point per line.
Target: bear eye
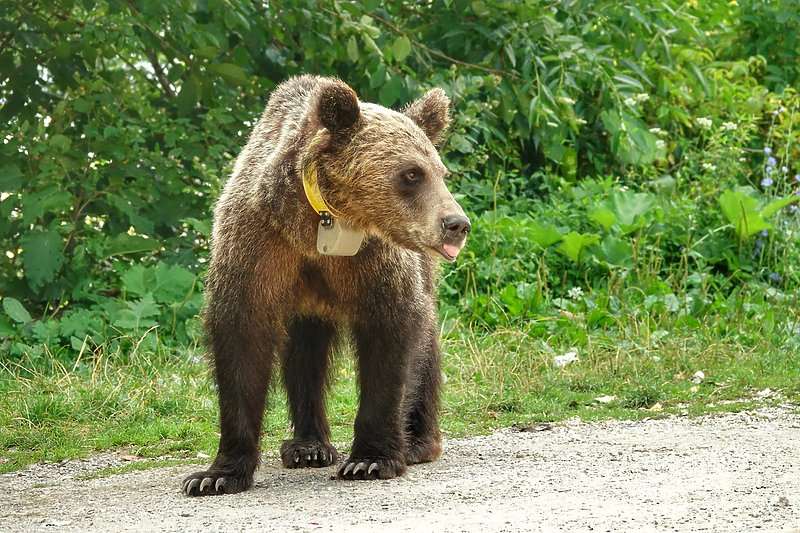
412	176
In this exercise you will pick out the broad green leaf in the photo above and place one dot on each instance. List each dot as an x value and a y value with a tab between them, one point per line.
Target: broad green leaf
137	315
137	280
480	9
60	142
630	209
628	82
352	48
742	212
575	243
76	343
230	72
391	91
776	205
42	257
461	143
130	244
401	48
542	234
173	283
616	252
603	216
16	311
37	204
189	96
6	328
512	301
10	178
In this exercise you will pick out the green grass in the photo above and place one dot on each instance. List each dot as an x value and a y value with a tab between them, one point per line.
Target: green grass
161	405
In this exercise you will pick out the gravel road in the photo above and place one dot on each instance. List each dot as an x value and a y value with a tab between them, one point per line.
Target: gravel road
736	472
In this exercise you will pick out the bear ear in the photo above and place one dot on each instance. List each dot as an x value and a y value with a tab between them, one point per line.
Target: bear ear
431	113
337	106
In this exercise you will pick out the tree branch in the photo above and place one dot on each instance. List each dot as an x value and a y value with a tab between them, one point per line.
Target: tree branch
159	72
442	55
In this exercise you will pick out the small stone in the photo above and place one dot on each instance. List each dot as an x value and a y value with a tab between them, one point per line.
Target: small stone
698	377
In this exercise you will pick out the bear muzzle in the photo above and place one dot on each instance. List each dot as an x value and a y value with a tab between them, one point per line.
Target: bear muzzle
455	228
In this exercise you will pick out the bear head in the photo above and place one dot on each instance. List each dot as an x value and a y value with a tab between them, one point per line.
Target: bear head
380	170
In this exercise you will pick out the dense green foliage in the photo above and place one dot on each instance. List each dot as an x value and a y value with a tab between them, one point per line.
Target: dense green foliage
618	158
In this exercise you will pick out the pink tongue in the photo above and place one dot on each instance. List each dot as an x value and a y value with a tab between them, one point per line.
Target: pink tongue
451	249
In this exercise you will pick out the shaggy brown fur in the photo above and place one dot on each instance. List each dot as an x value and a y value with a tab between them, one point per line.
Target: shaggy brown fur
271	295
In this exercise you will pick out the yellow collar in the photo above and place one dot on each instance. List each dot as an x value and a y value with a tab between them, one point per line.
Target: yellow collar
311	188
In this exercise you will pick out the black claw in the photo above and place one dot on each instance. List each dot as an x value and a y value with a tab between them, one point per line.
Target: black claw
359	467
192	485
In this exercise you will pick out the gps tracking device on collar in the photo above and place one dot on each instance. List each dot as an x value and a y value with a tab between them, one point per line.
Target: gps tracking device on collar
334	235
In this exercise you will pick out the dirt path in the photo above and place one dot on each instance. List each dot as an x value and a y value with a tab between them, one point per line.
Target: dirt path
726	473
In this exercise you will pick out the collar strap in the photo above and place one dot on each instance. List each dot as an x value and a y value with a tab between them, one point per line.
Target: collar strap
311	188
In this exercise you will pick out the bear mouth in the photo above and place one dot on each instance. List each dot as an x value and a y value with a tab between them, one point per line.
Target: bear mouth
448	255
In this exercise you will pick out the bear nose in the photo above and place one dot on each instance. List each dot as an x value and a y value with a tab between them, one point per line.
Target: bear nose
456	225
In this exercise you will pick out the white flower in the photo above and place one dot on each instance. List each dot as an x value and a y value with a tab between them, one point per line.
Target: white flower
660	144
630	101
656	131
709	166
729	126
566	100
580	121
642	97
575	293
704	122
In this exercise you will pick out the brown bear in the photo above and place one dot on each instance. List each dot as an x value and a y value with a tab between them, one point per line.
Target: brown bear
320	159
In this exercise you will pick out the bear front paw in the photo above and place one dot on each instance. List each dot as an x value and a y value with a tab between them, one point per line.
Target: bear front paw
214	482
307	454
361	468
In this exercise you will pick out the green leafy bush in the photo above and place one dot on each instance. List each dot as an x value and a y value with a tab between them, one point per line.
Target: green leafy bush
616	148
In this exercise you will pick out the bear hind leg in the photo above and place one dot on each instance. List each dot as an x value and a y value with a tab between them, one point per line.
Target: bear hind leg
424	439
305	364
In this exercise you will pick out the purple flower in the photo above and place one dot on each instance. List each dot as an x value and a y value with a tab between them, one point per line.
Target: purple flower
767	182
793	208
797	178
764	233
771	161
767	150
759	245
774	277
